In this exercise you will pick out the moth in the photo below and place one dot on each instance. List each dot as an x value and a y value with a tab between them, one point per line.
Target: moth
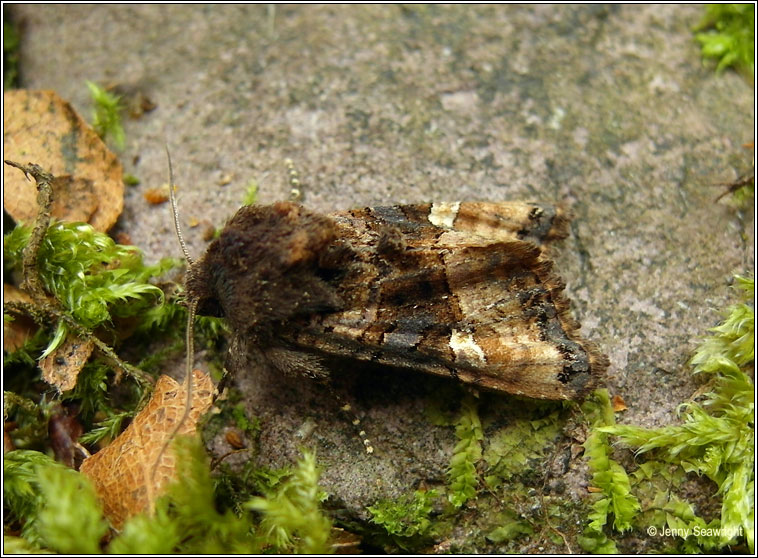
464	290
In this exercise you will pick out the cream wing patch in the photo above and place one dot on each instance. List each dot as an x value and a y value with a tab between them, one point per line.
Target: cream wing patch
466	349
444	214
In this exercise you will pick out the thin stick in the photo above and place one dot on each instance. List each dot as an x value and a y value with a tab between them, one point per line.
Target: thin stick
32	283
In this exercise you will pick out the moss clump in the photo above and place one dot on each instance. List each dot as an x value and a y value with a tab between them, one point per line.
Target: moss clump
611	486
292	520
729	36
715	440
54	508
462	477
512	448
407	517
94	279
106	114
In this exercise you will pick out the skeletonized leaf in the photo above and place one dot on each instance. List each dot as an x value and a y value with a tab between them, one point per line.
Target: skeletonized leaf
42	128
127	474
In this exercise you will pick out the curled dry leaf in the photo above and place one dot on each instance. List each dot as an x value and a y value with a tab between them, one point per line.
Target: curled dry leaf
15	333
618	404
344	542
42	128
157	196
64	430
126	474
61	367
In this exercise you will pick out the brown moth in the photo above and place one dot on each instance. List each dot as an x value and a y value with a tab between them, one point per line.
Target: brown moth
455	289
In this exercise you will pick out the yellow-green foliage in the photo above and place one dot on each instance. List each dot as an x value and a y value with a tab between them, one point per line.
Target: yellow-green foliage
732	342
510	526
251	192
56	506
715	438
106	114
615	498
407	516
462	478
730	35
69	505
292	520
94	278
512	448
30	419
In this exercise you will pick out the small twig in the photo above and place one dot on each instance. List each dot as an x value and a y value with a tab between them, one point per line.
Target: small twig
32	283
42	315
732	187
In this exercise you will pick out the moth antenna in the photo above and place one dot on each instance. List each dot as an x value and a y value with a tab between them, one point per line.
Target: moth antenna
190	330
174	208
188	380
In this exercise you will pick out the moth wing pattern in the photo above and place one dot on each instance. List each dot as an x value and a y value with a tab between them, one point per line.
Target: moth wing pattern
460	289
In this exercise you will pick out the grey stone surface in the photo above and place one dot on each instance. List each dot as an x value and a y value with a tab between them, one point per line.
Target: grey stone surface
608	110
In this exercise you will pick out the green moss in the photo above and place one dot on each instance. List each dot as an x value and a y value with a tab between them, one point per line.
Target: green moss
108	428
251	193
94	278
30	418
729	36
292	520
406	517
510	526
100	286
11	44
106	114
22	498
715	439
56	510
131	180
512	448
70	521
462	477
732	341
55	506
615	498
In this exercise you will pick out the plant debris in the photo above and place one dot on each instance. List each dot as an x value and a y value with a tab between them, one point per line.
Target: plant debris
41	127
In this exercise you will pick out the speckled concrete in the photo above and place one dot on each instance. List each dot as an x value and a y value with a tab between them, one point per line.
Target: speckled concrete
608	110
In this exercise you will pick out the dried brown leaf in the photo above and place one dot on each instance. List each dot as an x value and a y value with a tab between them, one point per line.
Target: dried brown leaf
15	333
61	367
42	128
64	430
618	404
157	196
345	542
126	474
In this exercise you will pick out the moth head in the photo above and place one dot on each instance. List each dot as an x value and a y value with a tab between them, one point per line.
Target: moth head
265	268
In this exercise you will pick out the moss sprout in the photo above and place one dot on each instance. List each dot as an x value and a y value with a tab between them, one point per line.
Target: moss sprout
106	114
727	33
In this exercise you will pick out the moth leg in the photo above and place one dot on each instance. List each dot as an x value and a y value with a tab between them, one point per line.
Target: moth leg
293	363
296	193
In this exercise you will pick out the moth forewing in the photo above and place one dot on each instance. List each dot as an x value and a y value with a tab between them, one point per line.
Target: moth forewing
458	289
